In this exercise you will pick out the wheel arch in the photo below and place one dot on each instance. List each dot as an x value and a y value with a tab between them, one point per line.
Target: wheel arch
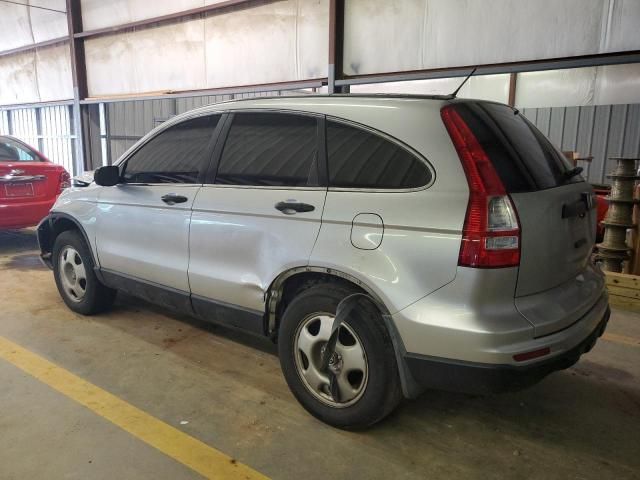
52	226
286	283
291	281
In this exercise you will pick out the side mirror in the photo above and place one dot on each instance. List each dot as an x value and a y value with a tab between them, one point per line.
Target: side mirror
107	176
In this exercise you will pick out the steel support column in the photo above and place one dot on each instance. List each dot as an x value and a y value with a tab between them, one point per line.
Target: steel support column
336	44
79	74
513	81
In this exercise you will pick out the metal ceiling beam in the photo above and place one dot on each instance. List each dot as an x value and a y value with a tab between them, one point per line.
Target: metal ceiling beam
496	68
219	8
18	106
34	46
264	87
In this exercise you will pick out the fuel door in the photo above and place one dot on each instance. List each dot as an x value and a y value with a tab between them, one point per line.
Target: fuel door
367	230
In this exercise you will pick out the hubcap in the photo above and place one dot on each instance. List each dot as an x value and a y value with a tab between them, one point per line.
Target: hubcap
348	363
72	274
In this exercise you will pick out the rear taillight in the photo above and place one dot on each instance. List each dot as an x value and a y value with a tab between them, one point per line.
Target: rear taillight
491	232
64	181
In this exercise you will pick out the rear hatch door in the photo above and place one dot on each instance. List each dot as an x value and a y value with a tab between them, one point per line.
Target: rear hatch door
557	215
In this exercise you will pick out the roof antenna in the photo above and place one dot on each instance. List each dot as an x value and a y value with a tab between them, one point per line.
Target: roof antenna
455	92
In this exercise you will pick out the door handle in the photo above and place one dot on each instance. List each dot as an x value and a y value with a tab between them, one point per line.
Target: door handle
291	207
173	198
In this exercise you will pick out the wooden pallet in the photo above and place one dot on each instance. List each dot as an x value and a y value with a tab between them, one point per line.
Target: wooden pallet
624	290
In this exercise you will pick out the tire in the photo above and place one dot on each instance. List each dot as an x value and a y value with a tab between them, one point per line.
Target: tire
75	278
376	390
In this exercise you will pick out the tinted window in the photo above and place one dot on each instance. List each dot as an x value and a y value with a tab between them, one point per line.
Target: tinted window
12	151
177	155
273	149
360	159
522	155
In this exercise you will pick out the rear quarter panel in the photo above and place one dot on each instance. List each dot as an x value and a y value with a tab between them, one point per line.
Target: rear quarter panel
422	229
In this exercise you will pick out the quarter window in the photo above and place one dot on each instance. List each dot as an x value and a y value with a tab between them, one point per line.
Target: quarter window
177	155
270	149
360	159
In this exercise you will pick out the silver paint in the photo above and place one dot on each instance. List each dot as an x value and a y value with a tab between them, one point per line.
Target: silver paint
230	244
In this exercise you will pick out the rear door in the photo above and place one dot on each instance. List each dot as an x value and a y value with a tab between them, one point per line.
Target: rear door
24	175
259	216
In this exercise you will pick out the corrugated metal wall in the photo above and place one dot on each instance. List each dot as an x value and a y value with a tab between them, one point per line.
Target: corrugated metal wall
48	129
602	131
125	122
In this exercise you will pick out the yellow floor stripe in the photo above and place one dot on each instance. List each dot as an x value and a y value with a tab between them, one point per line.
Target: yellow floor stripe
187	450
612	337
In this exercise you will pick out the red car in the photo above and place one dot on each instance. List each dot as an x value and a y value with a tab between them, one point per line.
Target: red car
29	184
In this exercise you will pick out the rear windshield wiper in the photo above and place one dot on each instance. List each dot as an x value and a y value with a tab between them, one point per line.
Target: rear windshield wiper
569	174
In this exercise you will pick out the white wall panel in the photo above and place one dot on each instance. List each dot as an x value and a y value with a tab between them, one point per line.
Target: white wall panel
238	52
312	30
47	25
15	30
554	88
398	35
383	35
237	47
107	13
617	84
621	25
109	63
486	87
606	85
169	57
54	73
18	79
222	50
36	76
20	26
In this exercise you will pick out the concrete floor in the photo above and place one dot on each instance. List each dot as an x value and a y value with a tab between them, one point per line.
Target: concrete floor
582	423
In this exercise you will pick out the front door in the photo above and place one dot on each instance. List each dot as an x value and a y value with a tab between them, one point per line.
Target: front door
143	222
260	217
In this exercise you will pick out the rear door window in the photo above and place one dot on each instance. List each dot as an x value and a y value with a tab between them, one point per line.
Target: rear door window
523	157
361	159
178	154
270	149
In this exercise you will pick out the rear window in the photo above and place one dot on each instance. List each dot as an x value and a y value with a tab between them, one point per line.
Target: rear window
523	157
12	151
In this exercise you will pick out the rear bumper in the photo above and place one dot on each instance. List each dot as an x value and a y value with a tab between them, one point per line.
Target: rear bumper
483	378
25	214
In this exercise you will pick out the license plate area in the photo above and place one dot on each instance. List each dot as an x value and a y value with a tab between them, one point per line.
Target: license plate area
19	190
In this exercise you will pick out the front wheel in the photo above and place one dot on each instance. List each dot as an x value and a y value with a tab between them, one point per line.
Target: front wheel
366	382
76	281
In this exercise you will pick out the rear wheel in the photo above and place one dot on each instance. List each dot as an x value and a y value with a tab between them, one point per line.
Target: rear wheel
76	281
367	386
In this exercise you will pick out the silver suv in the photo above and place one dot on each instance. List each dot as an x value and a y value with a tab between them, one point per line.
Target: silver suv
466	233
